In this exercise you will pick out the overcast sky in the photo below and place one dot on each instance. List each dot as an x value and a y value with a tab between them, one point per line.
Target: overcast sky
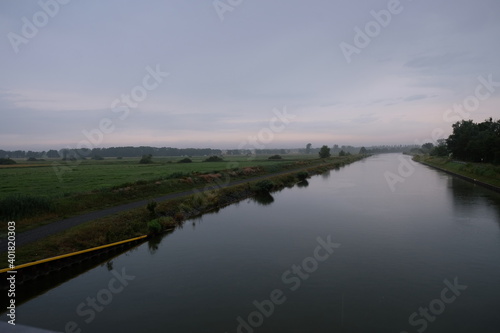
234	64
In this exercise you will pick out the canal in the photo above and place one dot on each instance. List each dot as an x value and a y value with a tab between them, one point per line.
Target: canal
381	245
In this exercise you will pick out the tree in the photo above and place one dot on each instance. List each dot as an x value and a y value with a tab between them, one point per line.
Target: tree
427	147
441	149
308	148
342	153
324	152
363	151
53	154
475	142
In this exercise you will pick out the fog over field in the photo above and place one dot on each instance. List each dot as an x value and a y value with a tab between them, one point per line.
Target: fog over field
214	73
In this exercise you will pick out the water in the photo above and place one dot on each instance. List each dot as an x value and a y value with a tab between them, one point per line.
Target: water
395	254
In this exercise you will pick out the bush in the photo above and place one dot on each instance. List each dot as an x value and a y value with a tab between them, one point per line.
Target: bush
146	159
6	161
214	159
154	227
97	157
303	175
275	157
152	208
178	174
264	186
185	160
31	159
17	206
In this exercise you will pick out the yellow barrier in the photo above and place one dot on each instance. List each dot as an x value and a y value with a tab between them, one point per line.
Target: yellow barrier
71	254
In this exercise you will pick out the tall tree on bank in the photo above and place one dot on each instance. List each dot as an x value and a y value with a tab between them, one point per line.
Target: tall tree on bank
475	142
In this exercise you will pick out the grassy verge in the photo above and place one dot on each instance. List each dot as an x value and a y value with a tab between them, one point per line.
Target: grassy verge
160	216
486	173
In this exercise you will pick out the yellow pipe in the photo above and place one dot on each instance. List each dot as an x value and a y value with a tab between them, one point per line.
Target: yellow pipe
71	254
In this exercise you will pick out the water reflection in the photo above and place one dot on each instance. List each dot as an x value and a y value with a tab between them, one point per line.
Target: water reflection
466	196
263	199
303	183
153	244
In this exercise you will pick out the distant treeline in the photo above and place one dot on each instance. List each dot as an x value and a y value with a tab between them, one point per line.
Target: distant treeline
391	149
112	152
130	151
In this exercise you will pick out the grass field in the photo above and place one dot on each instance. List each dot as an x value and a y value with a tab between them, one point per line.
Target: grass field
40	179
32	194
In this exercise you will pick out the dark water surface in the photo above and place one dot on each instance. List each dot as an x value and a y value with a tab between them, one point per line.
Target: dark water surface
424	257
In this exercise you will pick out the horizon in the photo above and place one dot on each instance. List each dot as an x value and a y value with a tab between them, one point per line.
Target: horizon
215	148
274	74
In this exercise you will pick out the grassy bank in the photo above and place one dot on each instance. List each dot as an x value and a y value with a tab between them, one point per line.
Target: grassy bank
155	218
32	195
486	173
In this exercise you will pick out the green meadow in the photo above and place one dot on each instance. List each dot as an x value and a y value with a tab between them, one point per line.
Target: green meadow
34	193
40	178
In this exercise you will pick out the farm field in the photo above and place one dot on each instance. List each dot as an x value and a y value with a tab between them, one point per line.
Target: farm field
40	178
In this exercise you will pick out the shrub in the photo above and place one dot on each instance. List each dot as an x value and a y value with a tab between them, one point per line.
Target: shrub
6	161
178	174
154	227
166	222
97	157
275	157
31	159
185	160
303	175
214	159
152	208
264	186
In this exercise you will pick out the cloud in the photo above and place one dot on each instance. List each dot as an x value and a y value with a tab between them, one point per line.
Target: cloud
365	118
415	98
433	61
227	77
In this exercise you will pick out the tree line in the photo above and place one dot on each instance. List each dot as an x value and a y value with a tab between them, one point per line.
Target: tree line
127	151
470	142
130	151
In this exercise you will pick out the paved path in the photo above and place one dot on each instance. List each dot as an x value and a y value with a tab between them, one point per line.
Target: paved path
56	227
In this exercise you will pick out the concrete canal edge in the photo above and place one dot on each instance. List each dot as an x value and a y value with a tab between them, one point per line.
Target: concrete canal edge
469	179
